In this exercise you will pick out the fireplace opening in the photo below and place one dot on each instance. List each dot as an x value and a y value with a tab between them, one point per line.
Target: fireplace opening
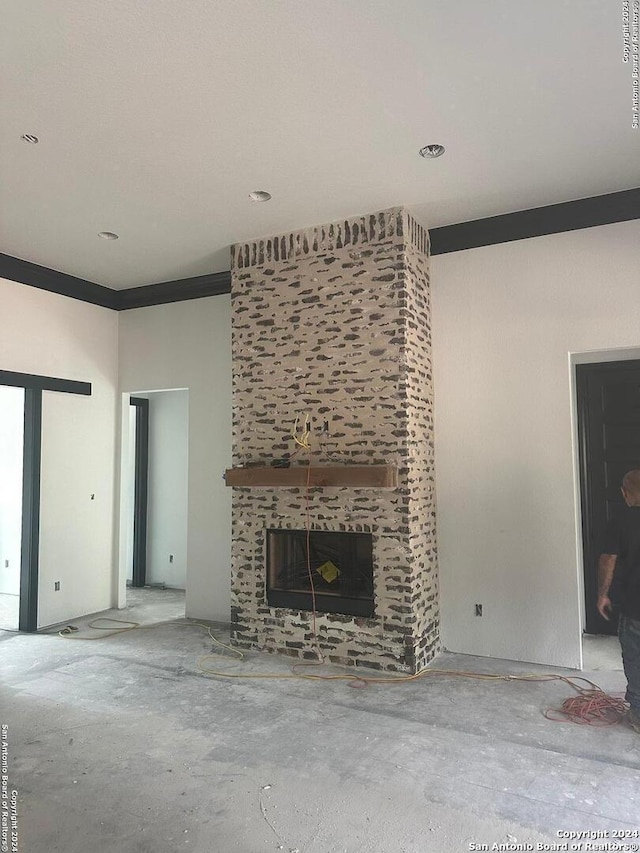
341	566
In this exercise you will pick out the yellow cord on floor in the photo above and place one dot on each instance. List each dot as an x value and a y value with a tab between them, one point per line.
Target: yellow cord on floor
357	680
69	632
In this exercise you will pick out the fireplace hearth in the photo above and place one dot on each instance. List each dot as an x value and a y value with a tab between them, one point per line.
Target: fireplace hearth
337	566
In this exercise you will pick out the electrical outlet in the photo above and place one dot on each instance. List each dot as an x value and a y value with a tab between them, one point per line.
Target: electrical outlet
171	558
478	609
56	586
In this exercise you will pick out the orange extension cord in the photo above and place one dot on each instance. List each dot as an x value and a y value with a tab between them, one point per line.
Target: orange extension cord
591	707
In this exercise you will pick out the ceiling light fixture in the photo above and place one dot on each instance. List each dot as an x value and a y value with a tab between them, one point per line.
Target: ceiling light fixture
108	235
431	151
259	195
30	138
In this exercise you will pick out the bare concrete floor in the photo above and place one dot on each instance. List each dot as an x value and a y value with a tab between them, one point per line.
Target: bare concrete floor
151	604
9	607
122	744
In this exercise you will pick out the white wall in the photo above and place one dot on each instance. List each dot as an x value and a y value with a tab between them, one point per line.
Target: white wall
505	320
168	482
11	442
188	345
52	335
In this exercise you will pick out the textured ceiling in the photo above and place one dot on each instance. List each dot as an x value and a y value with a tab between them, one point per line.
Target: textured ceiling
156	119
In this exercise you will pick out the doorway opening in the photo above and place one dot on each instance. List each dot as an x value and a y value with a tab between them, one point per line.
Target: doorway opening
155	499
608	412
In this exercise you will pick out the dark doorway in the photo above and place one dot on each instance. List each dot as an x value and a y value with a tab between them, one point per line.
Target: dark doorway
141	491
608	396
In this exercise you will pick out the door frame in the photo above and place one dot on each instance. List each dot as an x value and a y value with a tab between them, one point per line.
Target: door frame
127	444
33	385
141	491
580	442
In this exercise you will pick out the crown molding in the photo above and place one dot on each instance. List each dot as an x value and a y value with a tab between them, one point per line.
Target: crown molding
198	287
521	225
536	222
25	272
62	283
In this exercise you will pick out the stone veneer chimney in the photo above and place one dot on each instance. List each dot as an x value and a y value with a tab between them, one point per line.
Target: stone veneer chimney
334	321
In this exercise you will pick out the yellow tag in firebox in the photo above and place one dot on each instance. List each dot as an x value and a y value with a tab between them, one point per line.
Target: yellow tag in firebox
328	571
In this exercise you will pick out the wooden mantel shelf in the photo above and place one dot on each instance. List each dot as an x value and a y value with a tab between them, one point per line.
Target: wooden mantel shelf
356	476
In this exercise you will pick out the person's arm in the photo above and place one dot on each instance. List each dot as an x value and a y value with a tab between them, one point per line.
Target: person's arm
606	568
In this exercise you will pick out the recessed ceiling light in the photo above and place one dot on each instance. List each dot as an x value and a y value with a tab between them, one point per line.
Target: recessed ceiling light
431	151
107	235
259	195
29	137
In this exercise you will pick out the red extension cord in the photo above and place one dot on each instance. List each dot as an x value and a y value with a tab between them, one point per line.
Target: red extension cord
590	708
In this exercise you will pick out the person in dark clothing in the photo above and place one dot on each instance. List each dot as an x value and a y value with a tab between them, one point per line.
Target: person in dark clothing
619	586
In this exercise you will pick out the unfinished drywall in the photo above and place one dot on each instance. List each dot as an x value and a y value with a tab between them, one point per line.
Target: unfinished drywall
188	345
505	320
53	335
11	438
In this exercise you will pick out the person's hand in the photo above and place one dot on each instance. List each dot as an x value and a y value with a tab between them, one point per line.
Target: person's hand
604	606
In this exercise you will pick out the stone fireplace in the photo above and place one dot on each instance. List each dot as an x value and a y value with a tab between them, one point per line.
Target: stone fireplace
331	336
